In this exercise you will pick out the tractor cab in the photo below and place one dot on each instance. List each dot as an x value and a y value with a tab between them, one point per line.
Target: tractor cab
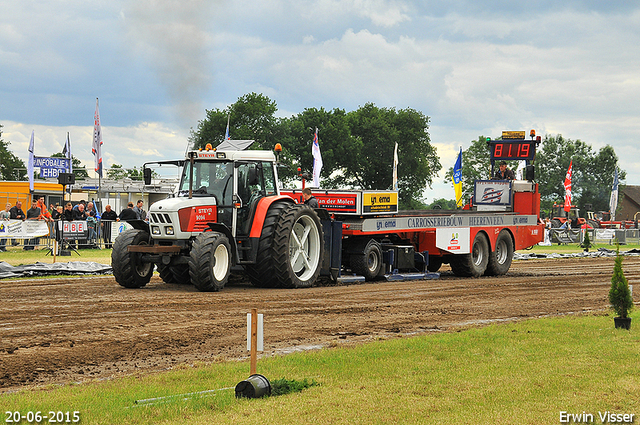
222	187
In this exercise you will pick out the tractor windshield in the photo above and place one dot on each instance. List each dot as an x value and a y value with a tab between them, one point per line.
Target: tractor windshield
209	179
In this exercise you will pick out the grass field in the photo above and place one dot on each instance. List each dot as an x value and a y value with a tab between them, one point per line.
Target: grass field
517	373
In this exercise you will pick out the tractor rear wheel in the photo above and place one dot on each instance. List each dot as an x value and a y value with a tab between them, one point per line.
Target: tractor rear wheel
298	247
178	274
128	268
210	261
262	273
165	273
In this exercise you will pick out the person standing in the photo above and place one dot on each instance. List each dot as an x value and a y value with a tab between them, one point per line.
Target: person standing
142	214
108	217
128	213
33	213
56	214
4	216
92	221
17	214
67	214
309	199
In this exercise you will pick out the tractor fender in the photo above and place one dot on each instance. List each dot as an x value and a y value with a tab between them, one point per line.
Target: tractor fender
261	212
222	228
139	225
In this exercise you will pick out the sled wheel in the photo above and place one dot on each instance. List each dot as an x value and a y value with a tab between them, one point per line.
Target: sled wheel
128	268
369	263
473	264
210	261
434	264
500	259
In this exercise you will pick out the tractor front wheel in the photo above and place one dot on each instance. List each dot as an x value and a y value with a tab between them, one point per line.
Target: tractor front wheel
128	268
210	261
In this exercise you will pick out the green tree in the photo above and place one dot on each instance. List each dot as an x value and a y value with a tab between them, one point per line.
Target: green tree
619	293
251	117
592	173
442	204
79	170
356	147
117	172
476	165
376	130
11	167
296	136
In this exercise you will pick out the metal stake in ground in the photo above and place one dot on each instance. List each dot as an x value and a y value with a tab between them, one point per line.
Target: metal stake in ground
254	337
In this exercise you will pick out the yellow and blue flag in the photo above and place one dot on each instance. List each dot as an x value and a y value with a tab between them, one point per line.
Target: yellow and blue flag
457	179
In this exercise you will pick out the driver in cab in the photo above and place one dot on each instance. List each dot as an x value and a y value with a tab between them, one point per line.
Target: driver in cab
504	173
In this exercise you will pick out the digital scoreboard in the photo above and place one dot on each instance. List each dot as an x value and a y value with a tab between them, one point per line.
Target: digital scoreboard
513	146
521	149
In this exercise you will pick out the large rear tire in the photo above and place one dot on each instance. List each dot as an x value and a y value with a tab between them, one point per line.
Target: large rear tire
369	263
165	273
555	223
475	263
128	268
210	261
500	259
262	273
178	274
298	247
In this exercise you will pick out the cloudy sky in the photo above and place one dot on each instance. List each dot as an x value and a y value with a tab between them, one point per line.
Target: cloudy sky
474	67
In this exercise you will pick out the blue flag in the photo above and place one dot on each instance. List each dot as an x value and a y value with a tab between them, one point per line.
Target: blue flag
457	179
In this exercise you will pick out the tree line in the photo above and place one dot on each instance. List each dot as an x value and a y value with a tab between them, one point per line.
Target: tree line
357	151
592	171
357	147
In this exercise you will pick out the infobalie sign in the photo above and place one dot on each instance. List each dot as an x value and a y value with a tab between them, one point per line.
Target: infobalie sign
50	167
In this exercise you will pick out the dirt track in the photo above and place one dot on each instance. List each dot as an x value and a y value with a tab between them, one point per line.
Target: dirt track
74	329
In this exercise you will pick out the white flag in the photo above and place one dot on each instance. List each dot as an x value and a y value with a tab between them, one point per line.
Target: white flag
520	170
613	201
317	160
66	151
96	148
30	163
395	168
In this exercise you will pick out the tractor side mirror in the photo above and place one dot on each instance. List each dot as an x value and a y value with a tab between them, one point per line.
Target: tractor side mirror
147	175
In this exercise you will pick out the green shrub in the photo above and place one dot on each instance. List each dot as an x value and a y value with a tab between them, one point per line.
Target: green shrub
619	294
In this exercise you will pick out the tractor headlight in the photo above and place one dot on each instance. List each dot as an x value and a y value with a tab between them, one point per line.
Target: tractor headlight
155	230
168	230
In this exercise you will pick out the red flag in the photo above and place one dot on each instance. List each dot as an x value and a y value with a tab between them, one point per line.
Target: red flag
567	189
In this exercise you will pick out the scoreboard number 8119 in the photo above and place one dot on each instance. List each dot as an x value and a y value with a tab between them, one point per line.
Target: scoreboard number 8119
513	150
